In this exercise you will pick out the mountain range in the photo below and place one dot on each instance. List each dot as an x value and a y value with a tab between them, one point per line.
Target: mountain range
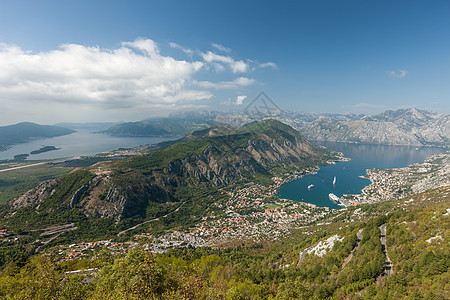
148	185
410	127
160	127
396	249
23	132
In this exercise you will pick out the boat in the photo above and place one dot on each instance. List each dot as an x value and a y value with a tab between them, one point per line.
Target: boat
333	198
334	181
310	186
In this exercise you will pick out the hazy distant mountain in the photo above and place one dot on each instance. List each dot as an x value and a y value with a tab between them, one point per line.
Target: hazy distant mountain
90	126
171	126
23	132
400	127
181	123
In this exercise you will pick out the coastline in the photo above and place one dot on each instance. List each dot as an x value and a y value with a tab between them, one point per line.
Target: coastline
4	147
310	171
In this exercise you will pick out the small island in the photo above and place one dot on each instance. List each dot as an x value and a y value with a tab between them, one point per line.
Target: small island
44	149
21	157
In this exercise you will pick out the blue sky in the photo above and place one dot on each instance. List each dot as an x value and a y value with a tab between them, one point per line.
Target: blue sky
127	60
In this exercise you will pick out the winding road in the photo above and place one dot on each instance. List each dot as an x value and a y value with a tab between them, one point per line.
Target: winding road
387	264
152	220
302	256
359	235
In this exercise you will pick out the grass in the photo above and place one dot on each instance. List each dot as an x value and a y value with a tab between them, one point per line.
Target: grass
16	182
272	206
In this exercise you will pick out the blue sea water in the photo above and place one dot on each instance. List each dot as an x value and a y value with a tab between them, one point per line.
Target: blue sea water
347	174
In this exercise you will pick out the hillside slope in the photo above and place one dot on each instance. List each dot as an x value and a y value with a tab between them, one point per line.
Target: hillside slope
342	257
148	186
23	132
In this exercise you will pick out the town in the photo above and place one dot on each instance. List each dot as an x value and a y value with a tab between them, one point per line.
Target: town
254	213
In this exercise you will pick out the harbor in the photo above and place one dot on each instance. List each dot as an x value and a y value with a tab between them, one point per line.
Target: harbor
329	186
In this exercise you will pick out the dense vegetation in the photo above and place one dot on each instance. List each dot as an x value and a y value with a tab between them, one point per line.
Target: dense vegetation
16	182
417	239
259	271
28	222
233	143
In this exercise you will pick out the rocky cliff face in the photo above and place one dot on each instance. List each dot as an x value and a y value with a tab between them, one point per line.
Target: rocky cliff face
99	198
211	158
34	196
223	162
402	127
122	202
223	167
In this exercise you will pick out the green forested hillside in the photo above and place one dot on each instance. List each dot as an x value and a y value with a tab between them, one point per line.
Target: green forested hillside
50	246
148	186
417	244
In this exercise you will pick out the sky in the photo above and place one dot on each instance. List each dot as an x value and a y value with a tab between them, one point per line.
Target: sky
98	61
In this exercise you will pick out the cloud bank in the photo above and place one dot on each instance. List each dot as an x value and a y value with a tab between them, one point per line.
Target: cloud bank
135	75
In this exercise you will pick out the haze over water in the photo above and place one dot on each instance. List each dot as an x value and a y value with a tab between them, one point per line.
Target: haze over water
347	174
80	143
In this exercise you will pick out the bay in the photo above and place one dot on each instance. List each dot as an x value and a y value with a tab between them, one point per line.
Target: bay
80	143
348	173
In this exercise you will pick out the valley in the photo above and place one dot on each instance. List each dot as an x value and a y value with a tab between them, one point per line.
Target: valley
113	191
224	150
194	202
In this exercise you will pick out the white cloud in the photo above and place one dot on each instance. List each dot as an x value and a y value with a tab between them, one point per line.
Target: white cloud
77	82
269	65
212	57
135	73
185	50
240	99
236	66
238	82
398	73
221	48
239	67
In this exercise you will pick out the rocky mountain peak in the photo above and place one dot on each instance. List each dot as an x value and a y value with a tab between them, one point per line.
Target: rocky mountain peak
210	158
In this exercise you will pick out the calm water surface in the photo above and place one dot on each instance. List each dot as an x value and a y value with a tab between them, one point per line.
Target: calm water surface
79	143
347	174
